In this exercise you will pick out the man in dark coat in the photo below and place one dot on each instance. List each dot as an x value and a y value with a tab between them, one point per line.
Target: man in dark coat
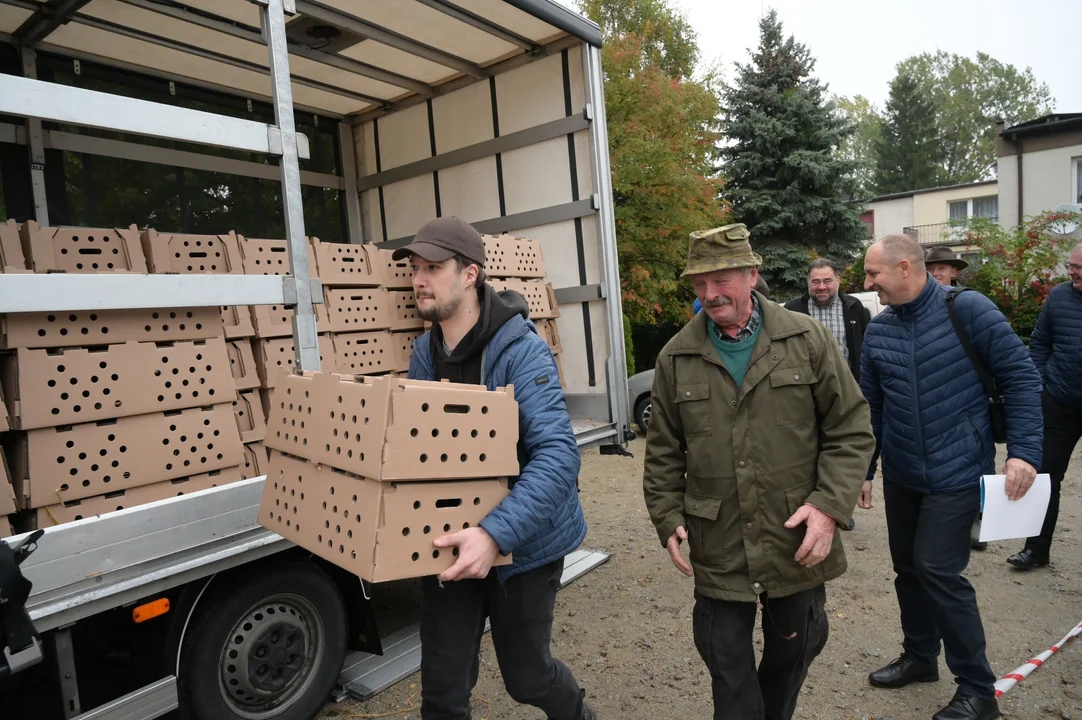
844	315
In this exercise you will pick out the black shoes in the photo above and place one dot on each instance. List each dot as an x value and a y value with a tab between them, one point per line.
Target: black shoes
967	707
1028	559
903	671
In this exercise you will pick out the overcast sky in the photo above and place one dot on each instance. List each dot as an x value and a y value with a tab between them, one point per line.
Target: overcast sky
857	44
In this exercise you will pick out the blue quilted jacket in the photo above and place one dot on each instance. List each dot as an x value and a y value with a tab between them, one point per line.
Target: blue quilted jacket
1056	344
929	409
541	520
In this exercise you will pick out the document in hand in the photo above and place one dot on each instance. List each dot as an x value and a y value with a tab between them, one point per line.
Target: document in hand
1006	519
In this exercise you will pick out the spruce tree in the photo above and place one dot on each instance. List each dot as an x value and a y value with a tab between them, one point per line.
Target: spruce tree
908	153
783	174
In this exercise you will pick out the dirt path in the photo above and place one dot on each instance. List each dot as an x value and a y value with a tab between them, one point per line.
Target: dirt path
625	628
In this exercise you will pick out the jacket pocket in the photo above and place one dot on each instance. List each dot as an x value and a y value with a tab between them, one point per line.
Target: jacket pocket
701	515
693	404
795	496
791	390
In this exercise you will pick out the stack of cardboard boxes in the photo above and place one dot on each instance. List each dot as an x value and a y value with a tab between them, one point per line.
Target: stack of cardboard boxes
113	408
367	471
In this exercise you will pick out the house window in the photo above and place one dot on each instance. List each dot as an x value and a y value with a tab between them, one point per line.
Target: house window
981	207
867	218
1078	180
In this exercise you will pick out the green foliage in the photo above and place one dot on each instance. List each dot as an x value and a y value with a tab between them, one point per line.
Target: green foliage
852	279
629	347
784	176
908	150
661	139
1022	264
859	148
970	96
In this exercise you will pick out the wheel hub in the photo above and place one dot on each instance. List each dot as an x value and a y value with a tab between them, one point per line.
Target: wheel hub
270	656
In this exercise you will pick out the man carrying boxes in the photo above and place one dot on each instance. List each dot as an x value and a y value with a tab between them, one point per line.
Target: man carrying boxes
483	337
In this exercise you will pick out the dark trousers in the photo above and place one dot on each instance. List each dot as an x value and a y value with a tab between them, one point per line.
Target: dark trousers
1062	431
795	631
929	544
520	613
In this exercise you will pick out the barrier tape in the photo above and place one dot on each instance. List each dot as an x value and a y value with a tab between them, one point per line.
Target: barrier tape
1011	679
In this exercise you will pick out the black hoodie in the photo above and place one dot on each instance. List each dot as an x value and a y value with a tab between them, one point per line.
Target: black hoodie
463	364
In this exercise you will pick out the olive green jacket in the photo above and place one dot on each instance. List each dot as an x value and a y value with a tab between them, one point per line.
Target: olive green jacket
732	465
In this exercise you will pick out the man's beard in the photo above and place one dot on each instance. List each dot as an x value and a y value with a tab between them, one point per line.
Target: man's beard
441	311
824	303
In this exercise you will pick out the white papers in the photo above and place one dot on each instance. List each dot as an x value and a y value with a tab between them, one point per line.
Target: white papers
1006	519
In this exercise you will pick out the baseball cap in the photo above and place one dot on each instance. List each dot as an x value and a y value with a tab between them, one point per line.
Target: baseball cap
443	238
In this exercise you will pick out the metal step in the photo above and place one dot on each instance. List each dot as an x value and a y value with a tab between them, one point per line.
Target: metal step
365	675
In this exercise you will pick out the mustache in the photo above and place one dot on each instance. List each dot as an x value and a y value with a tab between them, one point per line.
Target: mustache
718	302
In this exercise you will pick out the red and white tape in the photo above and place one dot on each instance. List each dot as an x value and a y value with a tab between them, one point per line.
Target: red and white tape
1009	680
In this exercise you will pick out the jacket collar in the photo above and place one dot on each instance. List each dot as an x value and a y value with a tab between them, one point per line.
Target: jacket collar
511	330
924	302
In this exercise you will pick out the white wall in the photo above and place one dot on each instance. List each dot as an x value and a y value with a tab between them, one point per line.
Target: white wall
1049	180
892	215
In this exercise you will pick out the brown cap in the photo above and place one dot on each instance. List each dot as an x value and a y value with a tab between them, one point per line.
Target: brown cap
722	248
443	238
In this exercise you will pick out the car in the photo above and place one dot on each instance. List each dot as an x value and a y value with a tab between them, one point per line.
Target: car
638	390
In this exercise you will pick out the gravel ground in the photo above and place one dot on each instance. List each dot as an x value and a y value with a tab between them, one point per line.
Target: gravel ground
625	628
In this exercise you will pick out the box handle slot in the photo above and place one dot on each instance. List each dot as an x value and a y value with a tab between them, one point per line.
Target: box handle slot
90	251
456	409
449	503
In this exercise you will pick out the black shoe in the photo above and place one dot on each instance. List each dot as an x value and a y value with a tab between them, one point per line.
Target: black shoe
1028	559
852	524
903	671
967	707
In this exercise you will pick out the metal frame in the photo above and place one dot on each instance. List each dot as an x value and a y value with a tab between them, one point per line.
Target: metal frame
481	23
35	139
347	152
47	18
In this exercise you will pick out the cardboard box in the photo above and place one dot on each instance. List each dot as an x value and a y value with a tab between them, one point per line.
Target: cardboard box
272	320
547	329
355	310
237	322
242	364
192	254
5	528
5	424
255	461
341	264
108	327
366	353
534	291
507	256
8	503
394	274
56	465
403	348
275	354
554	304
82	250
80	385
121	499
251	420
377	531
385	428
270	257
404	312
12	259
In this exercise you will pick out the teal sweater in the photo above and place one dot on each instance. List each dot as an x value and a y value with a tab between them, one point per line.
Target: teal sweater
734	354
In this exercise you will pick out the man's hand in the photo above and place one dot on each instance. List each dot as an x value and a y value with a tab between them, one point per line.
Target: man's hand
865	499
673	546
476	553
1020	476
817	539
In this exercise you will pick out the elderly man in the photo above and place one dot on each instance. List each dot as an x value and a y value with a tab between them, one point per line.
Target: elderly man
932	421
1056	349
944	267
755	456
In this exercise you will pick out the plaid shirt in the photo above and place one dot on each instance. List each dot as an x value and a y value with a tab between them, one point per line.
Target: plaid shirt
747	331
834	319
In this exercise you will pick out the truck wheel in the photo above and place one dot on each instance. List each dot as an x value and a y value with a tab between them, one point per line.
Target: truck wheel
264	646
642	414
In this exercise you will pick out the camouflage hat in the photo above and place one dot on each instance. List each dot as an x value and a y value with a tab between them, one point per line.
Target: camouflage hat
722	248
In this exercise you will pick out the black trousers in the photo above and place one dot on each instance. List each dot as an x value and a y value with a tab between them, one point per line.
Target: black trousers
795	631
520	613
1062	431
929	545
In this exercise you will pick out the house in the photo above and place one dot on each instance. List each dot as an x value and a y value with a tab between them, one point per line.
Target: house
930	216
1039	166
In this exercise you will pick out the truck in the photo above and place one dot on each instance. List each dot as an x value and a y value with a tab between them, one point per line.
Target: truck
355	121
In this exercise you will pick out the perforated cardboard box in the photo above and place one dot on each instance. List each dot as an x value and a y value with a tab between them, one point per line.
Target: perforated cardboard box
403	348
82	250
366	353
275	354
78	385
251	421
5	424
192	254
270	257
242	364
108	327
255	460
547	329
12	259
272	321
404	312
8	503
534	291
394	274
347	310
54	465
344	265
121	499
377	531
237	322
507	256
386	428
5	528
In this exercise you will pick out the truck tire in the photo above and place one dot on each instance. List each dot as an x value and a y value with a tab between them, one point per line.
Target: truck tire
264	646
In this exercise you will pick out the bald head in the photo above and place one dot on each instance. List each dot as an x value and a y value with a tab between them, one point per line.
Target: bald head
896	248
894	268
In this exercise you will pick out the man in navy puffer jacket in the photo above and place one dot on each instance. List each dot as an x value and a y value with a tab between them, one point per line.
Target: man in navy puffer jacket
930	416
1056	349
